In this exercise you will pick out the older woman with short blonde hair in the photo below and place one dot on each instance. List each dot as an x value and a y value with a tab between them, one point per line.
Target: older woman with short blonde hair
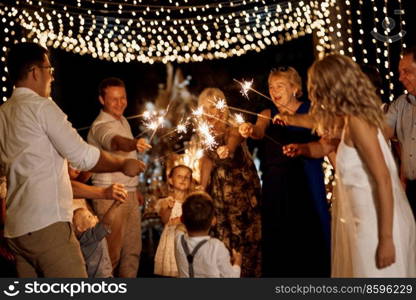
296	225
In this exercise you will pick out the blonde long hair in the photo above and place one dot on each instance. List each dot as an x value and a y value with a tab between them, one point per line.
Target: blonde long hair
337	88
210	96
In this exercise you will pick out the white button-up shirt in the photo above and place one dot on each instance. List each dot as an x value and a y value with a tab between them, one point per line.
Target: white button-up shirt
102	131
35	139
401	117
212	260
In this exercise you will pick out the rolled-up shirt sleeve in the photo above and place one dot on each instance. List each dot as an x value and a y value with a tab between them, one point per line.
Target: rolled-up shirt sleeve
103	134
66	140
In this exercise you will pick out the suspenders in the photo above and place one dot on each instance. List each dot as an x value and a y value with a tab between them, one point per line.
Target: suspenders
190	256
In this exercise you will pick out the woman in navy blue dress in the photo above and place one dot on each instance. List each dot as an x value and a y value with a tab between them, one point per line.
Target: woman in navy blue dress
295	226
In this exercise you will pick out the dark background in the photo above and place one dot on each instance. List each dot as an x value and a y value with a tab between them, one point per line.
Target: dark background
77	77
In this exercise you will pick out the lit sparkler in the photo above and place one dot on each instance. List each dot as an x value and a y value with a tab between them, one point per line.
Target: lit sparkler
153	125
199	153
181	128
240	110
198	112
220	104
207	138
249	112
153	120
147	115
239	119
245	87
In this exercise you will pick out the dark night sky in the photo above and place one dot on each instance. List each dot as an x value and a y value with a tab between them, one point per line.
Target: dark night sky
77	77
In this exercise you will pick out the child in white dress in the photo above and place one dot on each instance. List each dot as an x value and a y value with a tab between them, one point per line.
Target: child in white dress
170	211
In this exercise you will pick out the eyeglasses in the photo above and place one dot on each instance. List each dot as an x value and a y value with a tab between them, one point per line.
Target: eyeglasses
51	69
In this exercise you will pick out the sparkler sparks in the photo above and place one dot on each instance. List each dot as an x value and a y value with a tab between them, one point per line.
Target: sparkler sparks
181	128
198	112
245	87
152	125
220	104
239	119
199	153
207	138
147	115
153	120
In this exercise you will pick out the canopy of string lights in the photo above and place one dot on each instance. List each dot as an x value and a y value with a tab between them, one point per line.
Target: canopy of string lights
170	30
185	31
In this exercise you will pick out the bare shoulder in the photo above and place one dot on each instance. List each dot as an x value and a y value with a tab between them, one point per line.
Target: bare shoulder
358	130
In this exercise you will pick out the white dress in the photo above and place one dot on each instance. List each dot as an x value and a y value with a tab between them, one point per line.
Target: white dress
354	223
165	262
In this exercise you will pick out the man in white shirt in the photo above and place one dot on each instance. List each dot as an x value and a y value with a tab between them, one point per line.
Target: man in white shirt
401	121
111	132
36	140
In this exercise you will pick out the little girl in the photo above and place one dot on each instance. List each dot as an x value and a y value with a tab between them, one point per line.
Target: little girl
170	211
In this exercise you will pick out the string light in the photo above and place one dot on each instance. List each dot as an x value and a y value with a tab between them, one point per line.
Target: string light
134	30
386	52
350	48
126	31
361	31
7	25
402	25
374	40
323	28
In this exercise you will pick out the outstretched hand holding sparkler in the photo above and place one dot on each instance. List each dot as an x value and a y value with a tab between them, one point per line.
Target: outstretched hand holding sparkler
281	119
223	152
142	145
246	130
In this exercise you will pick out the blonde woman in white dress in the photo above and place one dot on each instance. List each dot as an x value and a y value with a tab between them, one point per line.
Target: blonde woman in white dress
373	230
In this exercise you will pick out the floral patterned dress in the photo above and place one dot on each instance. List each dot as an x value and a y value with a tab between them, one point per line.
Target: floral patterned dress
235	187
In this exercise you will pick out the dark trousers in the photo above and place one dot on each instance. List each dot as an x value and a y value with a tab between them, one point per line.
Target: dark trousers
411	195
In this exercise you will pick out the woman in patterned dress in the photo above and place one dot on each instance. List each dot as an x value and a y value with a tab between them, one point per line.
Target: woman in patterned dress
228	174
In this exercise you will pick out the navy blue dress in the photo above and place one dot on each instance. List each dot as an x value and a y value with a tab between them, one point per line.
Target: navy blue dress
296	232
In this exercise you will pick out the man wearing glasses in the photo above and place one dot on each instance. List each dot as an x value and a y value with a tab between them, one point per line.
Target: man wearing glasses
35	141
401	121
